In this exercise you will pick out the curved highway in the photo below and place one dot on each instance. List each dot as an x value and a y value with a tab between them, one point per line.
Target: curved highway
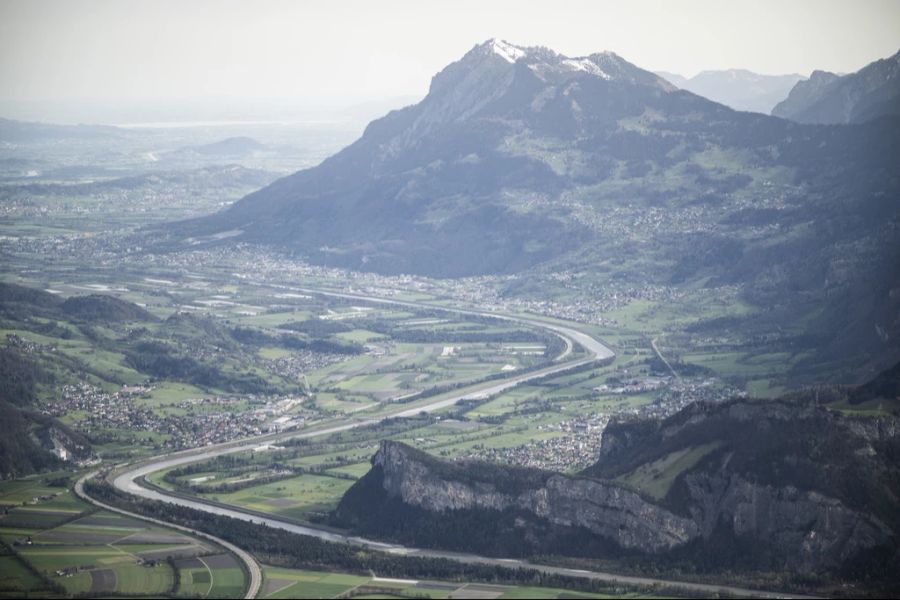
253	570
128	480
596	348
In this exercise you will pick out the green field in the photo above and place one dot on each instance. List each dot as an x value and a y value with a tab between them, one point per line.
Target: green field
656	478
288	583
296	497
134	579
360	336
292	583
98	552
225	576
195	582
15	577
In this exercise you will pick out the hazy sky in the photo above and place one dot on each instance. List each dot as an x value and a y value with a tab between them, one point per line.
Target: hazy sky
69	50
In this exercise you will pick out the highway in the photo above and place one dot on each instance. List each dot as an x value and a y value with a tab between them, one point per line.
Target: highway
129	479
252	567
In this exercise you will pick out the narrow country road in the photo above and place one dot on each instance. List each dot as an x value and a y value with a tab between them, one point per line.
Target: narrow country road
663	358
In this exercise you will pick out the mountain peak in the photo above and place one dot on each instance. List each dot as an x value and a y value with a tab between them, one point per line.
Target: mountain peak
497	69
820	75
549	65
509	52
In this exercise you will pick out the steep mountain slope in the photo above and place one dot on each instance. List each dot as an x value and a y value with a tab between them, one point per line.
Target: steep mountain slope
521	158
451	186
675	79
804	94
26	435
871	92
743	485
738	88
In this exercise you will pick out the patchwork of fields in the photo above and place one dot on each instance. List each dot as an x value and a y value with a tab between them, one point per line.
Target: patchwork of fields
55	544
291	583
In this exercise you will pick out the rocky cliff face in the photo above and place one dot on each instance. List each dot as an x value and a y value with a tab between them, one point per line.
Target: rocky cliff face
804	94
812	531
812	487
801	488
604	509
871	92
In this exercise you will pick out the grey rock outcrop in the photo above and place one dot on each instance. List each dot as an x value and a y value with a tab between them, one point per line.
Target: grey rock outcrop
605	509
802	487
826	98
813	530
804	94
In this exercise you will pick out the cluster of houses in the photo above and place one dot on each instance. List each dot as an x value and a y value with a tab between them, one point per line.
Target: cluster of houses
300	361
196	422
26	346
637	385
579	445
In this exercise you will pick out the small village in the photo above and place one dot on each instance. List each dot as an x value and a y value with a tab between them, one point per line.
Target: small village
185	424
578	442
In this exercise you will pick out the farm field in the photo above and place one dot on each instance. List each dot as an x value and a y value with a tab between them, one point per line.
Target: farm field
322	359
54	544
212	350
655	479
292	583
296	497
523	417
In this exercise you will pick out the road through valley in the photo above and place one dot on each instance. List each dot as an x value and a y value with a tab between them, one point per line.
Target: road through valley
129	479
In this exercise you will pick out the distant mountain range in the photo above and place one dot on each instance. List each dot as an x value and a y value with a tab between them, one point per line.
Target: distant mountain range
523	159
738	88
28	131
827	98
239	146
205	178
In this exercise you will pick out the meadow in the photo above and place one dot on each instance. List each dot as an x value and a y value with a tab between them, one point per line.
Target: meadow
293	583
54	544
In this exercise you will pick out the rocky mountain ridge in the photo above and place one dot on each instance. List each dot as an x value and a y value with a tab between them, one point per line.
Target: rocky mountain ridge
605	510
523	161
742	504
418	191
827	98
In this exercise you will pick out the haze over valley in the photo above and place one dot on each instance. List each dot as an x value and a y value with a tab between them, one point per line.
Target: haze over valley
429	311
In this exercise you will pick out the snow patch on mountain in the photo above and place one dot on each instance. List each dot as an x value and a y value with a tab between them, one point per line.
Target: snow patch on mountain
507	51
586	65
